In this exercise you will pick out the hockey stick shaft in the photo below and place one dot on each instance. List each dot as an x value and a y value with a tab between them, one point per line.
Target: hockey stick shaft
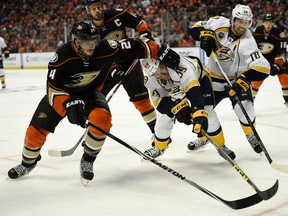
265	195
282	168
120	82
235	204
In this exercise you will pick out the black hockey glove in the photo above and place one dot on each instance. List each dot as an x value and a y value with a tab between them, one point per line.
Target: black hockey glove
241	85
118	74
207	41
182	111
200	120
168	57
6	52
76	113
146	34
275	69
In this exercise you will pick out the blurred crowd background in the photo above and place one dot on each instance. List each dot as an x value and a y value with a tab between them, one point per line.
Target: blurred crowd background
41	26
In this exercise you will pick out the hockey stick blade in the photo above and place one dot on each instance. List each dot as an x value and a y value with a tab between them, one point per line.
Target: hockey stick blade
265	195
234	204
279	167
68	152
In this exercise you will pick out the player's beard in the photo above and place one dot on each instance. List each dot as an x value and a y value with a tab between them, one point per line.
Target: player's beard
98	17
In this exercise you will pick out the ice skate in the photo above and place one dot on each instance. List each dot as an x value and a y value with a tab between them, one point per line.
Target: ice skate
286	104
3	85
86	171
197	144
153	152
22	169
254	143
229	152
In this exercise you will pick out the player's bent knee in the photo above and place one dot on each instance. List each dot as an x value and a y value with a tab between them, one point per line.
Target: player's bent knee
102	118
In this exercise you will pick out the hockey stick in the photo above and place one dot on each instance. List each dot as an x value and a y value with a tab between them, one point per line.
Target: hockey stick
234	204
68	152
276	166
120	82
265	195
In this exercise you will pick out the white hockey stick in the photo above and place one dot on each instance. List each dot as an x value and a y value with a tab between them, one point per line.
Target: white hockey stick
276	166
68	152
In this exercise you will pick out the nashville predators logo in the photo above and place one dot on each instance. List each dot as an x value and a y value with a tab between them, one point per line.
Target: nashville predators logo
224	53
82	79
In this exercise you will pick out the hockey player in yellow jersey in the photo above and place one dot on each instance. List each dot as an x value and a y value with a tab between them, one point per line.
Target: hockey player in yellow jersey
240	59
184	94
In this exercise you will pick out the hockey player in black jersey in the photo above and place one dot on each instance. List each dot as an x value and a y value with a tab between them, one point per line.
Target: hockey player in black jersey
112	25
272	43
76	74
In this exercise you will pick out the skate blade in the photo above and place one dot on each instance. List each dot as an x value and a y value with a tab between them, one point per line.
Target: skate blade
84	181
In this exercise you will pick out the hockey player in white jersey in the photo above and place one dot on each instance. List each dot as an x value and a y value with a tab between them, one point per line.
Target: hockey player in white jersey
240	59
183	93
3	49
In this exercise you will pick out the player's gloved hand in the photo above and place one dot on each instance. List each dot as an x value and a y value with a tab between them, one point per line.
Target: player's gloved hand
275	69
75	109
6	52
207	41
168	57
241	85
182	111
200	120
146	34
118	74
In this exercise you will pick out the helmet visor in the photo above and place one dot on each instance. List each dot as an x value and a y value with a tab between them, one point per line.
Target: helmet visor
88	44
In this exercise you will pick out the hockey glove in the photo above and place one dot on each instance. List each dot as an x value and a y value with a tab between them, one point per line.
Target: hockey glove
182	111
200	120
168	57
207	41
241	85
6	52
275	69
118	74
146	34
76	113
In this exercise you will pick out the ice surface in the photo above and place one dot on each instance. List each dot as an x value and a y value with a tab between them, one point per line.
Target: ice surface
124	185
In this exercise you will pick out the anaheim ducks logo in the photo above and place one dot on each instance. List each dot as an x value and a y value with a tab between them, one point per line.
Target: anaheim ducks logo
83	79
224	53
266	48
115	35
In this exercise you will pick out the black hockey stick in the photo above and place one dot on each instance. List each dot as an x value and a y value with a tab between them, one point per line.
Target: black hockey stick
234	204
120	82
265	195
68	152
276	166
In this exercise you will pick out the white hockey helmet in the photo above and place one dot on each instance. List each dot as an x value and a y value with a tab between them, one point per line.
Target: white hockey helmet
149	66
242	12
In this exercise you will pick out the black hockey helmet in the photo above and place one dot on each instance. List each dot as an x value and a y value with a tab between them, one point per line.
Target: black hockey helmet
268	17
85	31
87	3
